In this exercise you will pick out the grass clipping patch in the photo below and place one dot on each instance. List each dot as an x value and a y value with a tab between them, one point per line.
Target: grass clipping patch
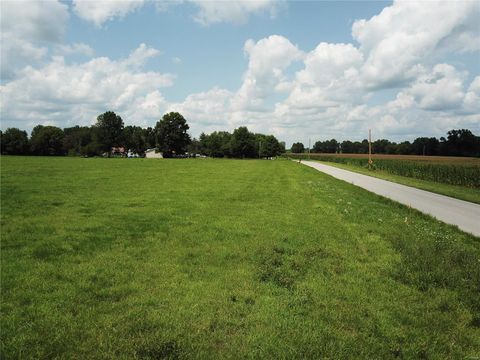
281	266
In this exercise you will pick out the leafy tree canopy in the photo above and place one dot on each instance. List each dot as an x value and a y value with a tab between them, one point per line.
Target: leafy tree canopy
298	148
172	135
47	140
134	138
108	130
14	142
242	144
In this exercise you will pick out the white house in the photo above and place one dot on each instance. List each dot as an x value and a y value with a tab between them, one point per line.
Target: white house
153	154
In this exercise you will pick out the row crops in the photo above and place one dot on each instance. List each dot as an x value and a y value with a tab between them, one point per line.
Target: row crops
448	173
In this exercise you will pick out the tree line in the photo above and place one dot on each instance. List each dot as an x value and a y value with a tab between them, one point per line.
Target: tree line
240	144
460	142
169	136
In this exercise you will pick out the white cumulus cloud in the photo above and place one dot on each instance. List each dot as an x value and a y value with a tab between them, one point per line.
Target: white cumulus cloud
236	12
471	102
101	11
207	12
268	58
74	94
410	32
27	28
76	48
440	89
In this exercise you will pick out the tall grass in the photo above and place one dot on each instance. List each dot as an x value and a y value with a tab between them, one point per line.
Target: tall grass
452	173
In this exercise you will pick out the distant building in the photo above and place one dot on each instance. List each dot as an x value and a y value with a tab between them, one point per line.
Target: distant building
116	152
131	154
153	154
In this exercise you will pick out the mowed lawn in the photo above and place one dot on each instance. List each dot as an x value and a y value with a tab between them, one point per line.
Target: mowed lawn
200	258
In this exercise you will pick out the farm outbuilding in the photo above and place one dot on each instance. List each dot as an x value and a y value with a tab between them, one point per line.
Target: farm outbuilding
153	154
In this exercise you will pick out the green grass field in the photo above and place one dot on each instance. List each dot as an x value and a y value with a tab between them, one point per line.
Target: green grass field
152	259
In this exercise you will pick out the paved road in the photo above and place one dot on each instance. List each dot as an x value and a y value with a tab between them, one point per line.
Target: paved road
464	214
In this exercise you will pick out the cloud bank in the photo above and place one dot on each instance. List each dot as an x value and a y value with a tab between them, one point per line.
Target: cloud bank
207	13
332	90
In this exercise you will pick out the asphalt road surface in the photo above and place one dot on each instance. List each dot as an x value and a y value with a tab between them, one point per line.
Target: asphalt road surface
464	214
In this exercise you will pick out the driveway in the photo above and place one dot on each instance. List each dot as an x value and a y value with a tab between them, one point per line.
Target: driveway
464	214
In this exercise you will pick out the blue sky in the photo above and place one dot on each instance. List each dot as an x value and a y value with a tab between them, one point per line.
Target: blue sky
213	55
299	70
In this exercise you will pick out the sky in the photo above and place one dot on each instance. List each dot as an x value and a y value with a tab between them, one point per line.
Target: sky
301	70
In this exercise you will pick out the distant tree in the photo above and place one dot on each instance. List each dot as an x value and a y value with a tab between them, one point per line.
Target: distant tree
347	147
460	143
134	139
391	148
150	137
318	147
108	131
194	147
404	148
172	135
332	146
47	140
216	144
202	141
328	146
76	139
380	146
364	147
14	142
268	146
355	147
225	141
425	146
242	143
298	148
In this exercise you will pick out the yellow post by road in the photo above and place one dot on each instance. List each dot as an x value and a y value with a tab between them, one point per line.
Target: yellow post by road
370	161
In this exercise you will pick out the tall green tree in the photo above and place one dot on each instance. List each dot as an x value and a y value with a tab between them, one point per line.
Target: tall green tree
108	131
14	142
425	146
150	137
347	147
268	146
405	148
327	146
460	142
135	139
242	144
78	140
298	148
172	135
216	144
47	140
380	146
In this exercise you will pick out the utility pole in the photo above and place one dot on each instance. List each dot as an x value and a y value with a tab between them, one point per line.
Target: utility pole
309	145
370	162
